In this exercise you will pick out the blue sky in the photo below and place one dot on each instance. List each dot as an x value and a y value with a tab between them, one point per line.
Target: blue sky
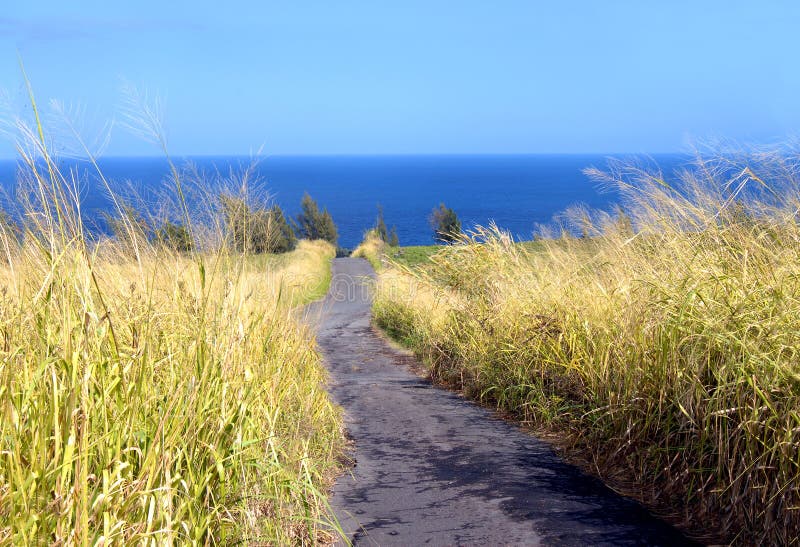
414	76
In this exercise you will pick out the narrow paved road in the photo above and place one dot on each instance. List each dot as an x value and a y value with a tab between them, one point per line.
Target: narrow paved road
432	468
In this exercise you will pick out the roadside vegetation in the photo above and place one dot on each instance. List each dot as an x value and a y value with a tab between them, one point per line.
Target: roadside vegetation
155	386
380	244
373	248
662	345
413	256
378	241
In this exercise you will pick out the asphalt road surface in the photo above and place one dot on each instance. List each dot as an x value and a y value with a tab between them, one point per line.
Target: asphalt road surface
433	468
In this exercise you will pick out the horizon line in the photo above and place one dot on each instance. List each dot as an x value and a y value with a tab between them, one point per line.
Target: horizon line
357	155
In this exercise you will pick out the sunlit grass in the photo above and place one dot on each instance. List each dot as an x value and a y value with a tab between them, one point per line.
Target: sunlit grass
372	248
665	344
298	277
191	410
154	396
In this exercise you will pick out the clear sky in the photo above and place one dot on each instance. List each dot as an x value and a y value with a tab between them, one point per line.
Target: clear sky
417	76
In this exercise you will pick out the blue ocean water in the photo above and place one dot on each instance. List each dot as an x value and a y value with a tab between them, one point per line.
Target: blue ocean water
515	191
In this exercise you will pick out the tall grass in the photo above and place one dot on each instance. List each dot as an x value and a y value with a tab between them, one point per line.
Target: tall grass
663	345
153	396
372	248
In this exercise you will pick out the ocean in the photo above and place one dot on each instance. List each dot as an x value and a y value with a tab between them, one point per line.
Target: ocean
517	192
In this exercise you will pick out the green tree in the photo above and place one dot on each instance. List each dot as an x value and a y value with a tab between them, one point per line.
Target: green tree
393	241
256	230
175	236
380	225
314	224
386	235
445	224
283	238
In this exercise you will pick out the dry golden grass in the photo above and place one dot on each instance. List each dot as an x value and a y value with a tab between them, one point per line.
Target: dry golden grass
173	400
150	396
372	248
665	343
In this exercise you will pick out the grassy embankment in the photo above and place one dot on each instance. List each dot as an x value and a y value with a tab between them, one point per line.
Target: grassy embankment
665	350
149	395
377	252
372	248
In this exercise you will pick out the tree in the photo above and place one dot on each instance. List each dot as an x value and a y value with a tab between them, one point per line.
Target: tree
314	224
445	224
387	236
283	238
256	230
327	229
393	241
175	236
380	225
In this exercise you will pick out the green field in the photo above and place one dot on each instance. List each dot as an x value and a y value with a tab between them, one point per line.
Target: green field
412	256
